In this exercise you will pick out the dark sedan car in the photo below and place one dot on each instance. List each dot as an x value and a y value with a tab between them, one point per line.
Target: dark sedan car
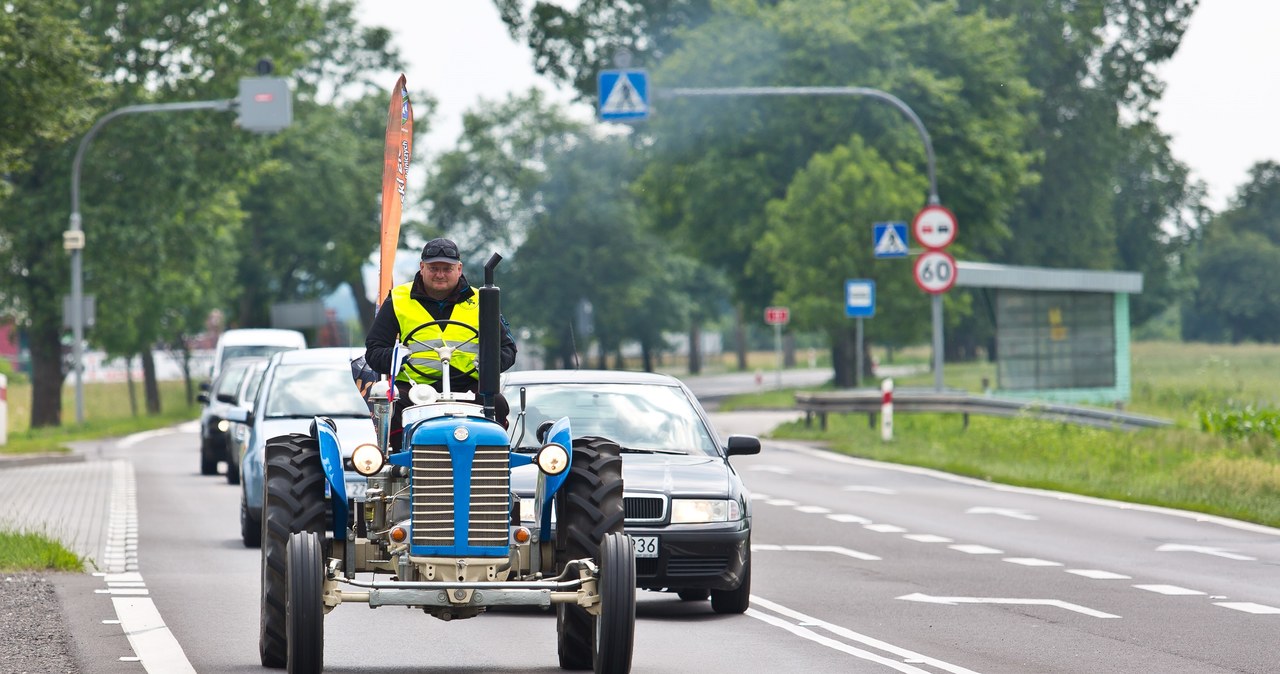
222	395
686	507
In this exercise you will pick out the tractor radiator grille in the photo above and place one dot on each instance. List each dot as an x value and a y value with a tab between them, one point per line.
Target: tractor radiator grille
434	497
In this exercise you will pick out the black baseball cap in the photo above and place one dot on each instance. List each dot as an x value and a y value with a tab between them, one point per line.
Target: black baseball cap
441	250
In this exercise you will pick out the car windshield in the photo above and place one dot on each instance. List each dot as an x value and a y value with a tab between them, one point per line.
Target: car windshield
253	380
636	416
231	378
251	351
309	389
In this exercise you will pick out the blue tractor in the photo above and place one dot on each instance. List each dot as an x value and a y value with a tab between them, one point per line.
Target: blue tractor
439	526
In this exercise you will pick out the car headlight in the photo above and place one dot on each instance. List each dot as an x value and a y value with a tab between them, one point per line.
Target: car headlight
223	424
367	459
691	511
552	459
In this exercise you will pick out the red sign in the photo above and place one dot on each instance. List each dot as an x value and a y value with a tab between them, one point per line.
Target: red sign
934	227
777	315
935	272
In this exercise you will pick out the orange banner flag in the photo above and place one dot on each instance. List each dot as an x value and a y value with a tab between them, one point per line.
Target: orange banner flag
395	176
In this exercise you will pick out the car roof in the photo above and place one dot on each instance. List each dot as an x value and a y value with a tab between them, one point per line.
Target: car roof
517	377
261	337
328	354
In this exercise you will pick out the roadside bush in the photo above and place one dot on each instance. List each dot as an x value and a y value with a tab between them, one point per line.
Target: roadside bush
1241	423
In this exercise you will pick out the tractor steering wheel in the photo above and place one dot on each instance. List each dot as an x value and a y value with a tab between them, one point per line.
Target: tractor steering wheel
409	339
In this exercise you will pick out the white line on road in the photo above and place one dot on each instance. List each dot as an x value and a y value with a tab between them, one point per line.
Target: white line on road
150	637
871	490
927	538
782	502
1248	607
1172	590
131	440
1205	550
765	547
1031	561
1098	574
884	528
846	633
951	601
976	550
813	510
847	519
780	470
1003	512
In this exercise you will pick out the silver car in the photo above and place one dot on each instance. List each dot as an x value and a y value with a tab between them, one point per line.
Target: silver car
296	387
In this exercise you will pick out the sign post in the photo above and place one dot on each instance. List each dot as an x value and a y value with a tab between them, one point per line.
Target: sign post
935	271
859	303
777	317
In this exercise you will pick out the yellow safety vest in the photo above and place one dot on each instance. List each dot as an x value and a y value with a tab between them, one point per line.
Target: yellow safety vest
422	350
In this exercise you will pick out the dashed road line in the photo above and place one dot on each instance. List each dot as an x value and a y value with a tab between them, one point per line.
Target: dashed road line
848	519
1171	590
1098	574
884	528
927	538
976	550
1248	607
1031	561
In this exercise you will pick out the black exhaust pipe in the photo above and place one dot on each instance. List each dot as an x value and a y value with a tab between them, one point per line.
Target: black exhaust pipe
490	338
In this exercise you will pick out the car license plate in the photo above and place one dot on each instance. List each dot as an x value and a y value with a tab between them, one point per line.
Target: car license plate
646	546
356	490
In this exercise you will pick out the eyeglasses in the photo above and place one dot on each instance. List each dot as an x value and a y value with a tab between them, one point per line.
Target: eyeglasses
437	249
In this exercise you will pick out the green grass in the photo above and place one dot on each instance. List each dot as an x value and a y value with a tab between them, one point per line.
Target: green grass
107	413
1182	467
27	551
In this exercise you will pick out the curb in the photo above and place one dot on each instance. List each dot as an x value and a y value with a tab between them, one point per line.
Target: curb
41	459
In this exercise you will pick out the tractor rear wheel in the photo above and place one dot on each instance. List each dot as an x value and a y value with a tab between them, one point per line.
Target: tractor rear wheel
304	611
588	507
293	501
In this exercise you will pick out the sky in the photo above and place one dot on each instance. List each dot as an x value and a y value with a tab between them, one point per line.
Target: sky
1220	106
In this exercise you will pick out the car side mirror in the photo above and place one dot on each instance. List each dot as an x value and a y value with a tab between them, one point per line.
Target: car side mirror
203	398
226	398
204	386
743	444
240	415
543	429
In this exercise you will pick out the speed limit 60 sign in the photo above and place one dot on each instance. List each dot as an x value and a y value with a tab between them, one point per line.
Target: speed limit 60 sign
935	272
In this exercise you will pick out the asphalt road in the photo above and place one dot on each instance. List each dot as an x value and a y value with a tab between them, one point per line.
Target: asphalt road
858	567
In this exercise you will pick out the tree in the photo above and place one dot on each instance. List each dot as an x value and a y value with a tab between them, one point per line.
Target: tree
155	51
717	162
1240	254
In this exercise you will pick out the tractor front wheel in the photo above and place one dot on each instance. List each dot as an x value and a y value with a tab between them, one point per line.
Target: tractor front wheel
616	625
304	606
293	501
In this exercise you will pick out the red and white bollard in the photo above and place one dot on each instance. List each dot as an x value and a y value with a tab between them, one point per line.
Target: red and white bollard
886	410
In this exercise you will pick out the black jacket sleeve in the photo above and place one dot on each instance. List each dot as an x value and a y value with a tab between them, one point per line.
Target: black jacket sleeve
508	357
381	339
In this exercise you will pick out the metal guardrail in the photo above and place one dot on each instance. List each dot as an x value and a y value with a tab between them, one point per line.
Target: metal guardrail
821	403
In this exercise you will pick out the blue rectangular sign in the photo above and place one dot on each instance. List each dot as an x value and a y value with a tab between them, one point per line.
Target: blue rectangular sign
860	298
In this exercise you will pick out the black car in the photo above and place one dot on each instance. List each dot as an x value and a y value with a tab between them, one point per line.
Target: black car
221	396
686	507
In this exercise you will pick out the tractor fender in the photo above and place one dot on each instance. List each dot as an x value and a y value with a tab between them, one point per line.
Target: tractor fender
331	459
560	435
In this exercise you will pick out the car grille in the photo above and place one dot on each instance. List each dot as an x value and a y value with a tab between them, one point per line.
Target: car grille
644	509
434	492
696	566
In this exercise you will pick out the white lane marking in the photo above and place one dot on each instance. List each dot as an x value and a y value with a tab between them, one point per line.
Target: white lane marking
951	601
1205	550
1098	574
1248	607
131	440
976	550
1172	590
1031	561
123	591
780	470
884	528
151	639
766	547
927	538
760	497
192	426
814	510
1045	493
846	518
846	633
871	490
783	502
1003	512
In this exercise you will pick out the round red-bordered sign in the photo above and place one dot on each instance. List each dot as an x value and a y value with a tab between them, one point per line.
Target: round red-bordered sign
935	272
934	227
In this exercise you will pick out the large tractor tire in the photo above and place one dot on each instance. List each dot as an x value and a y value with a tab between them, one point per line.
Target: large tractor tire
588	507
293	502
616	625
304	614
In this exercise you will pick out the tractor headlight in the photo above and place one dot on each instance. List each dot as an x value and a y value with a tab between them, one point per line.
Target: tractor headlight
552	459
367	459
692	511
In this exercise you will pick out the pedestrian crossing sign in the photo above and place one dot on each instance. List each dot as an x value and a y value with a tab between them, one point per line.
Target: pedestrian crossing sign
623	95
890	239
